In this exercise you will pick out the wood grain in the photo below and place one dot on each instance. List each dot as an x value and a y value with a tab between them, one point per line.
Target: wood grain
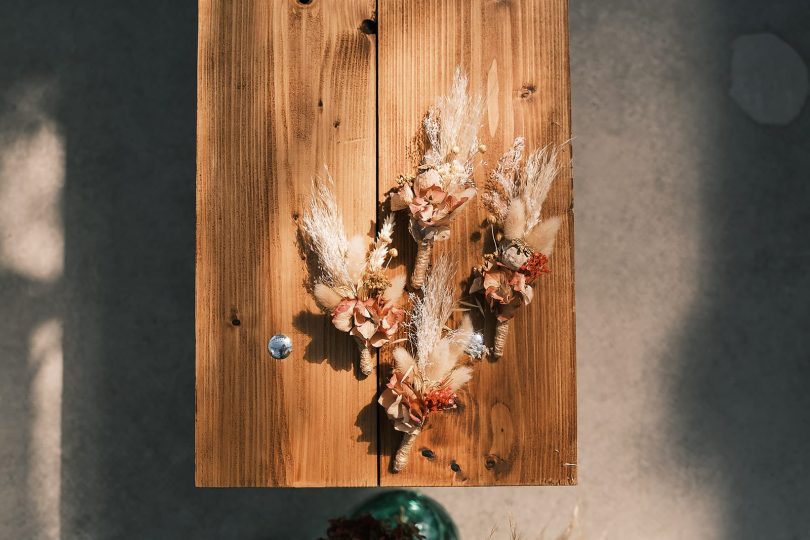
518	423
283	89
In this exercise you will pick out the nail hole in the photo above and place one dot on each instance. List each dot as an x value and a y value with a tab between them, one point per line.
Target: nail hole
236	322
527	90
490	464
428	453
337	123
320	104
454	466
305	2
368	26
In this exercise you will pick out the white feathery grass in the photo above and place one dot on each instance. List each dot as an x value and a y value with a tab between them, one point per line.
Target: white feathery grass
508	166
396	289
380	249
376	258
386	234
543	236
356	257
453	122
534	184
403	361
443	361
322	226
514	226
327	298
431	311
461	337
440	363
459	377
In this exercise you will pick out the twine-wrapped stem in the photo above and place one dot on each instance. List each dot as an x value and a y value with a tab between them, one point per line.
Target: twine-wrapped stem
366	364
401	459
422	261
501	332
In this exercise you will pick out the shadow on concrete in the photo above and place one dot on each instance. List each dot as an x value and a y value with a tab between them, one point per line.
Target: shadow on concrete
125	75
739	393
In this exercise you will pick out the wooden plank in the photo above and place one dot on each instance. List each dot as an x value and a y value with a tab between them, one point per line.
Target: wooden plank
284	88
518	425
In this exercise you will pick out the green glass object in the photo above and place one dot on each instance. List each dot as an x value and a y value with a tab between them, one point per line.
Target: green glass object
430	517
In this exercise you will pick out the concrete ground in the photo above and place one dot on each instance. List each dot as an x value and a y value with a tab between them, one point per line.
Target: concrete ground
693	296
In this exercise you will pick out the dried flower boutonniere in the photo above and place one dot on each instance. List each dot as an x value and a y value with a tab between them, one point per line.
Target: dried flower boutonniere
514	194
351	281
426	381
444	183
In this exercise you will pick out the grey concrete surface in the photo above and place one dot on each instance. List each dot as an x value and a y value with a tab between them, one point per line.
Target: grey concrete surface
692	282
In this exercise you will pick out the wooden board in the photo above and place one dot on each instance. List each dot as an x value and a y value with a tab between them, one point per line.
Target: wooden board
518	425
284	88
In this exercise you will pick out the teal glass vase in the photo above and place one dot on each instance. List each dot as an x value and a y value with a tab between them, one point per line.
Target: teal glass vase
429	517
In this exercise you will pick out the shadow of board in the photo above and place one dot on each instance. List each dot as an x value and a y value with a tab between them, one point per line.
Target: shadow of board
739	397
126	107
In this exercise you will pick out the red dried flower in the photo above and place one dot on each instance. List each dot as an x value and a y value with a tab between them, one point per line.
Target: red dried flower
536	265
440	399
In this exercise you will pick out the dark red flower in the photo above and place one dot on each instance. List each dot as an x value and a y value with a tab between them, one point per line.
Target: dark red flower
536	265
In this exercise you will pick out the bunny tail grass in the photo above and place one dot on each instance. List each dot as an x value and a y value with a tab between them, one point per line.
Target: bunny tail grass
421	265
501	332
401	459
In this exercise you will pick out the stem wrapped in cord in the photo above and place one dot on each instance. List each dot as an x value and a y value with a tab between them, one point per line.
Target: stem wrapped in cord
423	253
501	332
366	365
401	459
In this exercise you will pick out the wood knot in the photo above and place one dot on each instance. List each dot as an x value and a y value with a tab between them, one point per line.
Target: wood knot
368	26
336	122
527	90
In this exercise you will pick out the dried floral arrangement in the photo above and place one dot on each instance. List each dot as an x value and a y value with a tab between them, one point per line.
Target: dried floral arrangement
444	181
350	281
426	381
514	195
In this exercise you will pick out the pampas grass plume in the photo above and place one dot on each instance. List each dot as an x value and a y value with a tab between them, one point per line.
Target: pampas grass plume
459	377
397	287
543	236
326	297
515	224
403	361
